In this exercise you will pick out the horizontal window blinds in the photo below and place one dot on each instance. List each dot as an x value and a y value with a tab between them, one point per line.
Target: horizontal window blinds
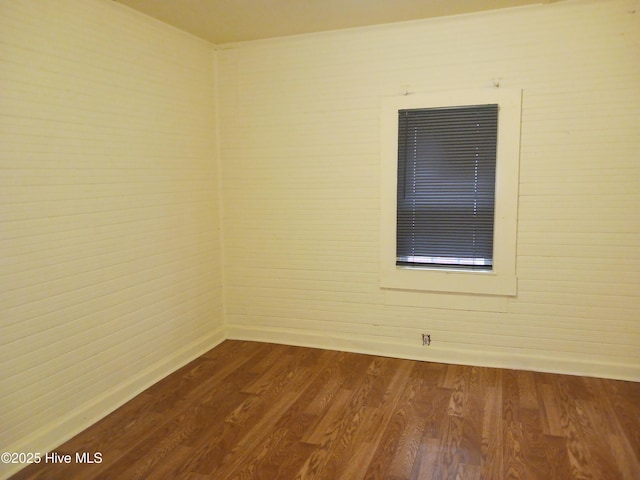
446	186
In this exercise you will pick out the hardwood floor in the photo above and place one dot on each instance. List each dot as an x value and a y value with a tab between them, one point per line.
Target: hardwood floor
250	410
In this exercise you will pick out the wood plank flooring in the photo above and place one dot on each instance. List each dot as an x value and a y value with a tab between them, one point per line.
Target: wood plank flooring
249	410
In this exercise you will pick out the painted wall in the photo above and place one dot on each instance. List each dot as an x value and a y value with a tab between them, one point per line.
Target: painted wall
300	151
110	219
109	228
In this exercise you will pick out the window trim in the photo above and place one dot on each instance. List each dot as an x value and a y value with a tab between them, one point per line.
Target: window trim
502	279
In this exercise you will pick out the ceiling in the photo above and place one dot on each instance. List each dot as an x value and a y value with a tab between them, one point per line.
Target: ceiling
225	21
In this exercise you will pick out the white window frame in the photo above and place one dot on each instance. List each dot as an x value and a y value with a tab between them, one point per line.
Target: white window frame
502	279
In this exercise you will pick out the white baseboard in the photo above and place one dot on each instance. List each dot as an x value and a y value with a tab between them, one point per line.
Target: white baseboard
54	434
373	346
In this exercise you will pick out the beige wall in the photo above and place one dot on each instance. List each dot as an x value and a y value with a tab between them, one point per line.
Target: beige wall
110	237
300	149
109	225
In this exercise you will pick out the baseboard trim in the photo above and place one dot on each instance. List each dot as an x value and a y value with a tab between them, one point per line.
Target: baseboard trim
373	346
52	435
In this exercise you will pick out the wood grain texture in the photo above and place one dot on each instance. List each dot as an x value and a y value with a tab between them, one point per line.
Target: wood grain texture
248	410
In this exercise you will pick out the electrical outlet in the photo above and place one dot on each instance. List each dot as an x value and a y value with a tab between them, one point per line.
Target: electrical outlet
426	339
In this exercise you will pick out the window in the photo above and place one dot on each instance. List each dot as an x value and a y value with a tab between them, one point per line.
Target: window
446	186
449	191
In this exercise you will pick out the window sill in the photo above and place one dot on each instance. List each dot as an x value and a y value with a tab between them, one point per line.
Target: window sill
448	301
449	281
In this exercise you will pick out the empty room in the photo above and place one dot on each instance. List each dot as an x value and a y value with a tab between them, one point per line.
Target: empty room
232	242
